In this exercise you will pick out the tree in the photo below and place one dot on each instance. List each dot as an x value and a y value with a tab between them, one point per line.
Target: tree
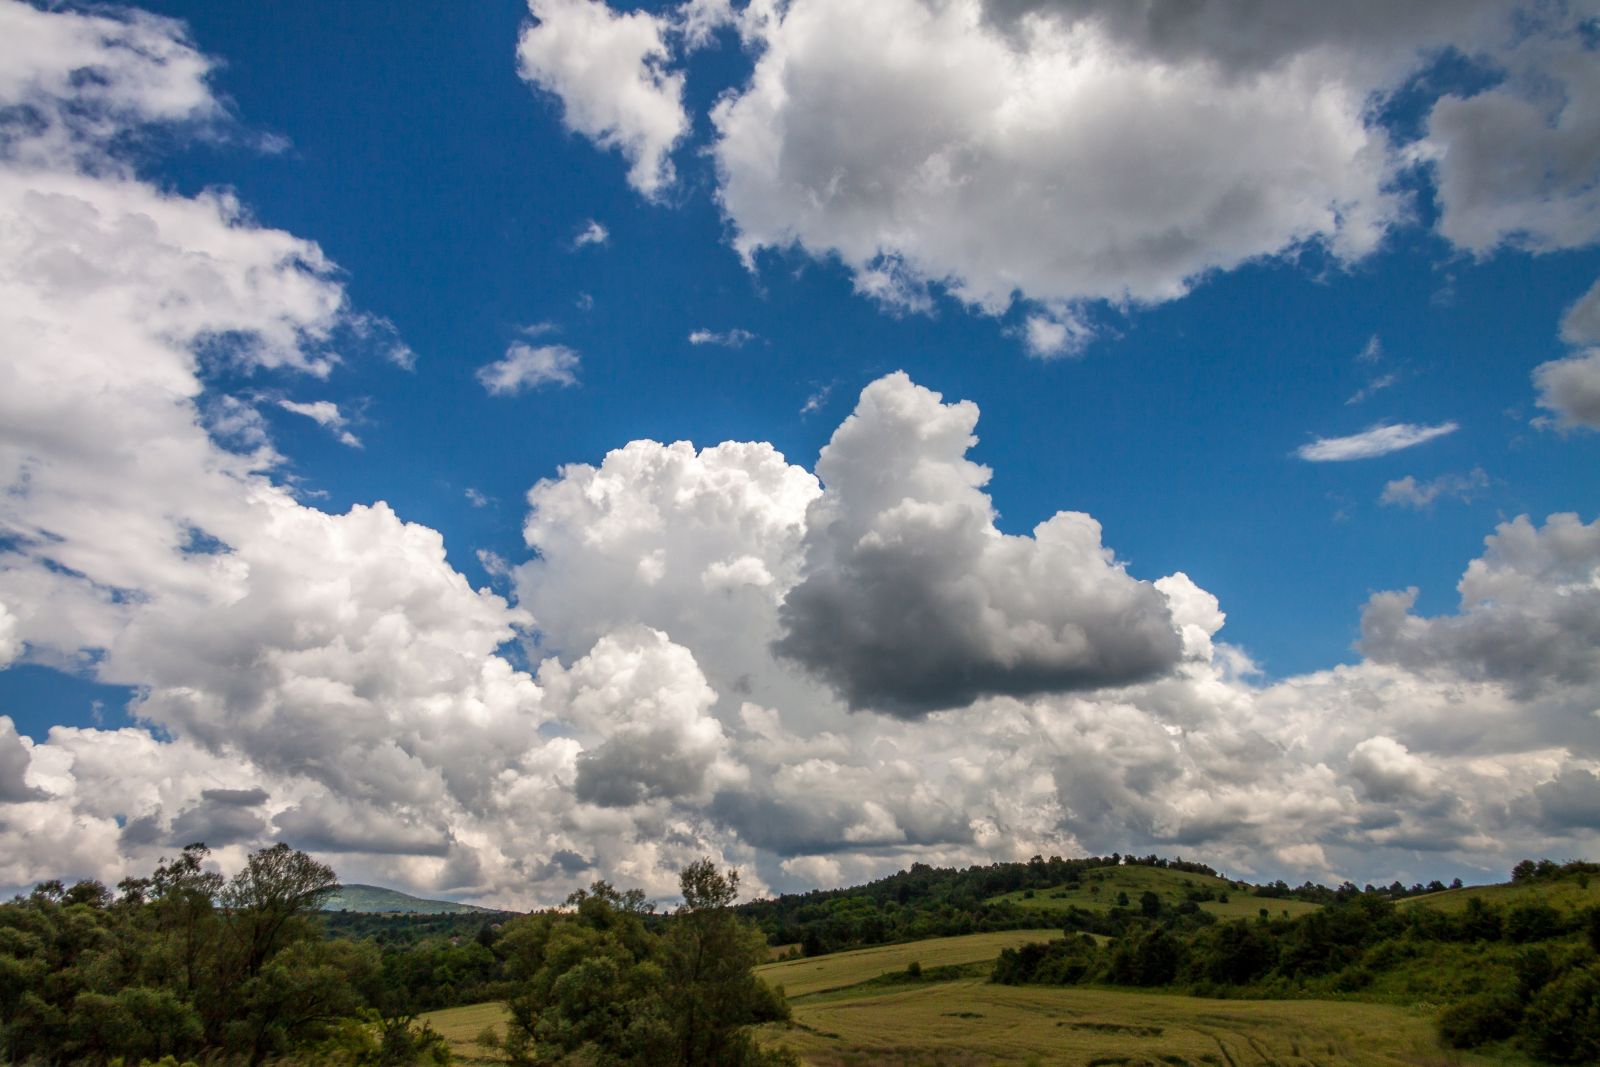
710	959
182	895
596	986
277	886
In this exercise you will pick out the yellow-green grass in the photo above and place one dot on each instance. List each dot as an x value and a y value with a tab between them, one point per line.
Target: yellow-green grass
1570	893
840	969
970	1023
460	1027
1099	888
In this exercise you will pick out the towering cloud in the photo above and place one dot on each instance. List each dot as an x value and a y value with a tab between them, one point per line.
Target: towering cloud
912	601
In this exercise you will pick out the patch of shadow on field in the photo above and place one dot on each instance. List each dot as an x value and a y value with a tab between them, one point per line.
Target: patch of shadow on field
1116	1028
900	1057
930	976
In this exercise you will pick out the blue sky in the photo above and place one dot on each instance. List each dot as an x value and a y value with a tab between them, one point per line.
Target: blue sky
1395	282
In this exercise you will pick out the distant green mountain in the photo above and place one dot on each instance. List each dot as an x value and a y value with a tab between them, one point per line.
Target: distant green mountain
375	899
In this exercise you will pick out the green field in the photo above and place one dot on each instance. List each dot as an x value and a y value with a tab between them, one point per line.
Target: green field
1570	893
1099	888
461	1027
837	970
971	1023
844	1018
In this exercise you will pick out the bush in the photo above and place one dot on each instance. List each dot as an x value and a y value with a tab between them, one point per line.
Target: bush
1533	922
1479	1020
1563	1022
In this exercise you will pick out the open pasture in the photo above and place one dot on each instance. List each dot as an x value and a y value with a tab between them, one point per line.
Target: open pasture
837	970
971	1023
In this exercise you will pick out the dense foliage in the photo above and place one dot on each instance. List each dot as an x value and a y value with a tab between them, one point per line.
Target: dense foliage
1525	972
185	964
596	985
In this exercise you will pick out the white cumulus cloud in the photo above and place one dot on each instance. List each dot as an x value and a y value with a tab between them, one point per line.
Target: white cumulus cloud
609	71
527	367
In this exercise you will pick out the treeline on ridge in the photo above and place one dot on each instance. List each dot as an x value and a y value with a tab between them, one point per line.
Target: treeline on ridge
929	901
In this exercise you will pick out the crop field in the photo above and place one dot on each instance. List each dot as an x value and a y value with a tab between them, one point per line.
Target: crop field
461	1027
837	970
1099	888
971	1023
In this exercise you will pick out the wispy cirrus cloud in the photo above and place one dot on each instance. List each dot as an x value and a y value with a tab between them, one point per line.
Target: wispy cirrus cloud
324	413
734	338
1407	492
1378	441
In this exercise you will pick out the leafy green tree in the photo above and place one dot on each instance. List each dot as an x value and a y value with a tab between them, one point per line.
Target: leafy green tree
597	986
712	990
266	902
584	982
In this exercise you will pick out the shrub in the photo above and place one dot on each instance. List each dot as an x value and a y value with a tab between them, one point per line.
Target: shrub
1563	1022
1533	922
1479	1020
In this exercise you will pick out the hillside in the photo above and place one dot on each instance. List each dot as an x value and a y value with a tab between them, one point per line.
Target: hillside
376	900
1568	894
1104	888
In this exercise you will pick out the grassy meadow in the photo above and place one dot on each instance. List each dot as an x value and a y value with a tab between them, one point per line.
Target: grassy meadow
858	1009
1099	888
838	970
1564	894
971	1023
460	1027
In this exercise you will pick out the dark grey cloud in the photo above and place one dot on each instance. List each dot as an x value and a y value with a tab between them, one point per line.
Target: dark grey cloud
820	825
218	823
1248	35
569	861
145	830
563	863
912	601
1571	800
642	765
243	798
337	825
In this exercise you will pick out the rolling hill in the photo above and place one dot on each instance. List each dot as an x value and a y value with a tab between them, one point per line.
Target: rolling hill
1101	889
376	900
